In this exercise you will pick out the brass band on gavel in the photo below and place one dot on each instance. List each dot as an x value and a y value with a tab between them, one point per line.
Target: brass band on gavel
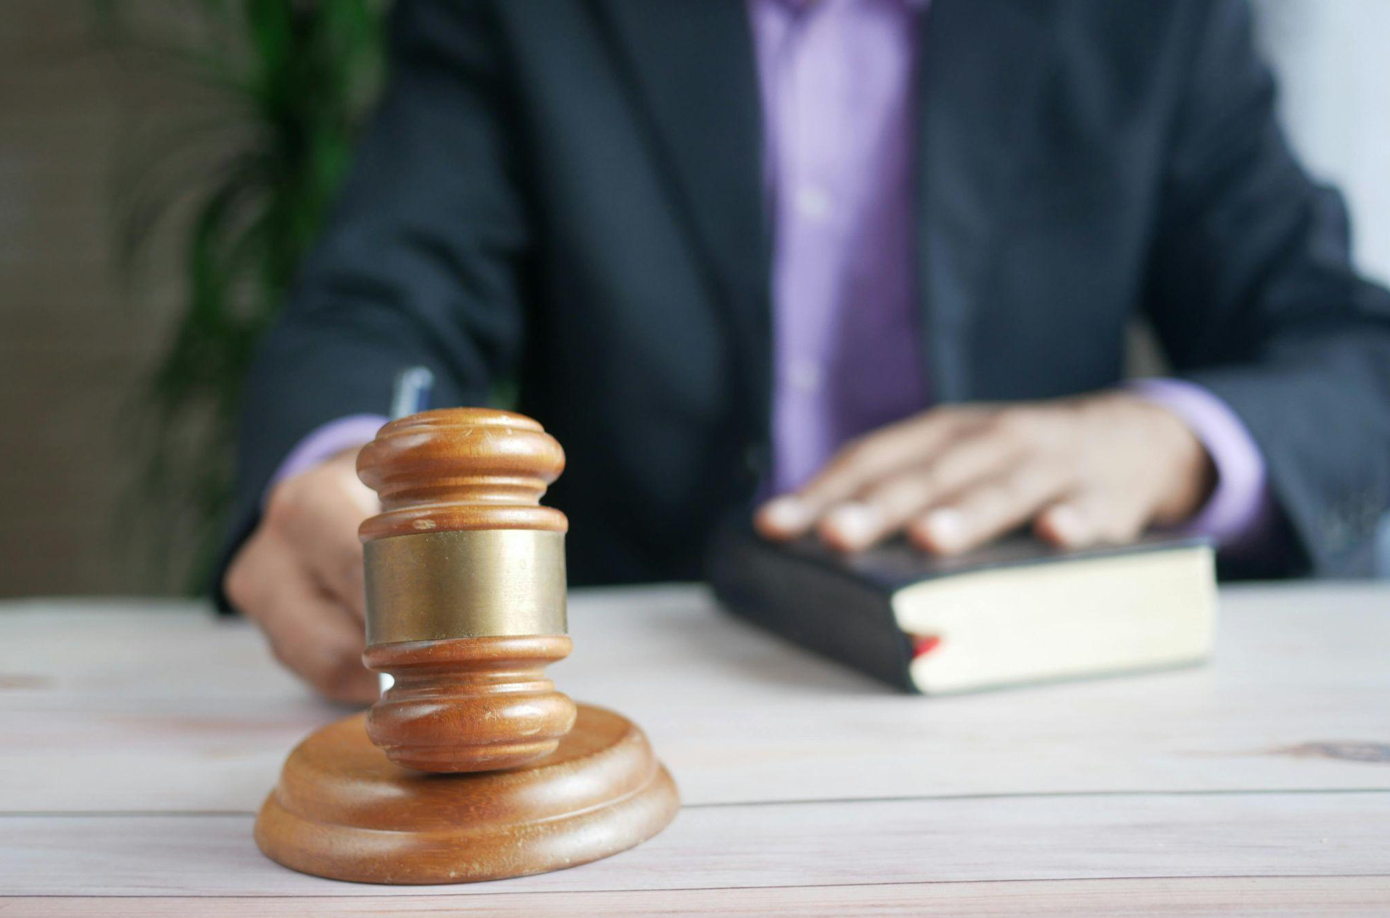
467	583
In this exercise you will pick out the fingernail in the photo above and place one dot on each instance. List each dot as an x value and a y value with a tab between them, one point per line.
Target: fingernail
945	529
785	514
1067	523
855	524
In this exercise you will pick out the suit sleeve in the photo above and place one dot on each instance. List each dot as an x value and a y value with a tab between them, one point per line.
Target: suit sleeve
420	263
1253	295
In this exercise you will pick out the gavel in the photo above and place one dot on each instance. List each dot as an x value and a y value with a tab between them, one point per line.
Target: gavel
471	766
465	575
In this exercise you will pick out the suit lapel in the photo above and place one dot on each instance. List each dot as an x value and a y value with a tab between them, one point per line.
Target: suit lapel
982	67
690	67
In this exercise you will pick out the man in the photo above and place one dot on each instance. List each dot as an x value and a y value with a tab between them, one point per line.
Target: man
877	257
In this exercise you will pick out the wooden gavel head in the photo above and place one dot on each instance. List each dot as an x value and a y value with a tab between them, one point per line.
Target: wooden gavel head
465	590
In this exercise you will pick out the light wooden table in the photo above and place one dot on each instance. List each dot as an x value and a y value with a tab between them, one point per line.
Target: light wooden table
137	738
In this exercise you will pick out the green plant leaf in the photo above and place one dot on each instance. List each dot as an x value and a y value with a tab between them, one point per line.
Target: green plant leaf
247	179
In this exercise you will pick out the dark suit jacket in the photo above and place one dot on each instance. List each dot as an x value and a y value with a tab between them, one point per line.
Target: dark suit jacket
568	192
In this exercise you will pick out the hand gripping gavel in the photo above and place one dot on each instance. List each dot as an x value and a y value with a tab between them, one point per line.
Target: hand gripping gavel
465	608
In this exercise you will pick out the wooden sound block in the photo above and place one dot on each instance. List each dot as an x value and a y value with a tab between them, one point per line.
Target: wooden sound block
343	810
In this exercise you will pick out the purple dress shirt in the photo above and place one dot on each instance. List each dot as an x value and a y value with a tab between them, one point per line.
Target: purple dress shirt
838	111
837	93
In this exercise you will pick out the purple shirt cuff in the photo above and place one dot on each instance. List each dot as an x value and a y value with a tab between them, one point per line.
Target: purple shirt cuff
1239	512
325	441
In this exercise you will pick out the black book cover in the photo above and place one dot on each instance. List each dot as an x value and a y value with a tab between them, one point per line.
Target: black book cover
840	606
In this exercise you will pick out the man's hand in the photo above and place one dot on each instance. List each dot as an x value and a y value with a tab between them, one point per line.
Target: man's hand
299	577
1099	468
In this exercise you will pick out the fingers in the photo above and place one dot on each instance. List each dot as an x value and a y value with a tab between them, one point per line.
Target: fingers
857	467
987	510
300	577
885	509
1092	518
1087	470
310	632
318	513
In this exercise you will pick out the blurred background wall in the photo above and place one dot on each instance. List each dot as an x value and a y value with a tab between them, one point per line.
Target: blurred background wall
75	344
1332	57
71	347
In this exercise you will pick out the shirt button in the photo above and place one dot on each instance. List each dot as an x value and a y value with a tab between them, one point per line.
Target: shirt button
812	203
804	375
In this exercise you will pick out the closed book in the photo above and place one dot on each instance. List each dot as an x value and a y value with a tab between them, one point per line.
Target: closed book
1012	613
